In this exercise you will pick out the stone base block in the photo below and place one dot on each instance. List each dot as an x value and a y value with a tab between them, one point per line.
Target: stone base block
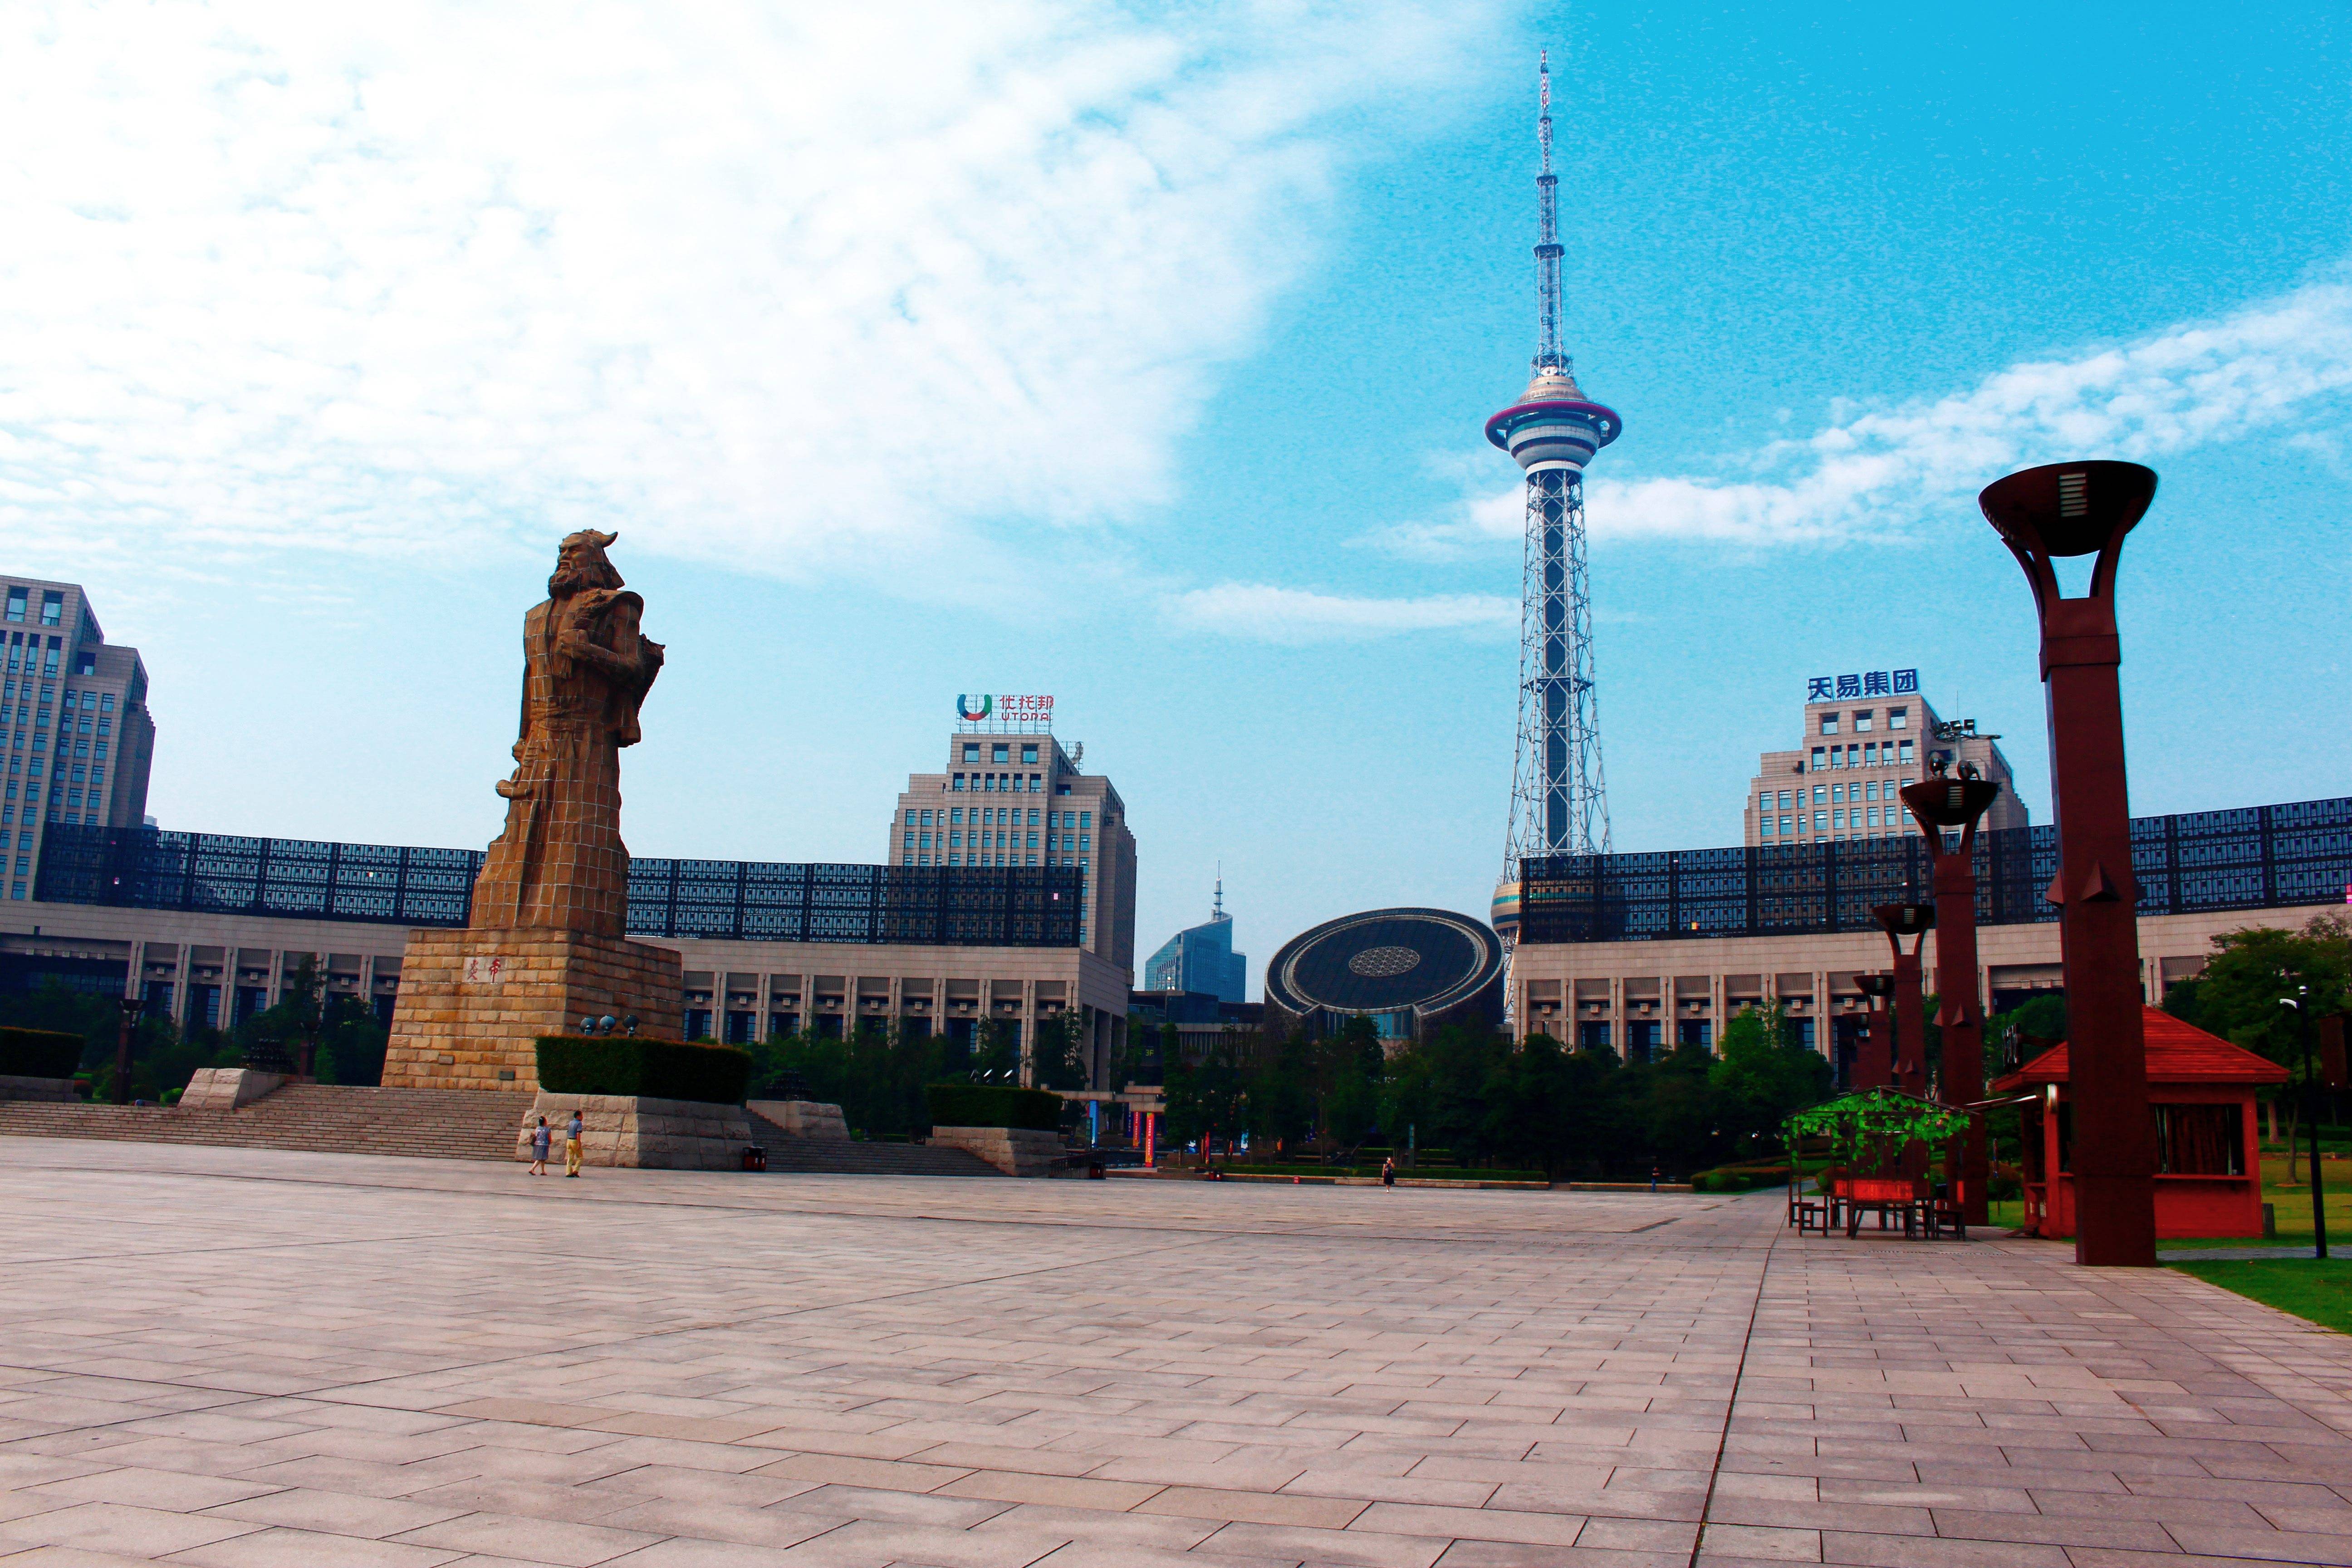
472	1003
1016	1151
226	1088
54	1091
641	1131
803	1117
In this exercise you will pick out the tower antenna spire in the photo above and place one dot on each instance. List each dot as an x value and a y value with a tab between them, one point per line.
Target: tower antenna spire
1217	910
1548	245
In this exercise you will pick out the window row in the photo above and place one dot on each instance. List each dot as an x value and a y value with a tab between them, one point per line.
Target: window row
53	605
1014	784
968	857
1896	719
995	816
953	839
1891	817
1869	754
1830	794
26	655
1000	751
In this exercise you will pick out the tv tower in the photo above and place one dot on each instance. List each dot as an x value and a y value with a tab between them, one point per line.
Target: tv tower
1558	802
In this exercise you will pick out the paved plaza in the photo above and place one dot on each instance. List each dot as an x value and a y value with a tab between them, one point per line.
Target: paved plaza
243	1358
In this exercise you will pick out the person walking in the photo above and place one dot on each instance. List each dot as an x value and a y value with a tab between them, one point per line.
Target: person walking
540	1137
1388	1173
571	1146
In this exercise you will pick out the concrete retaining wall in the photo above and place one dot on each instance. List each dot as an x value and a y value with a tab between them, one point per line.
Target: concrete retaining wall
642	1131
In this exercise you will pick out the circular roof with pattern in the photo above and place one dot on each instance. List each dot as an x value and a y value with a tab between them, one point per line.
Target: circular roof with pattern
1385	961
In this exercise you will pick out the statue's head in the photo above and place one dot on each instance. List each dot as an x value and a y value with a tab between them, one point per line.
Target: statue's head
580	565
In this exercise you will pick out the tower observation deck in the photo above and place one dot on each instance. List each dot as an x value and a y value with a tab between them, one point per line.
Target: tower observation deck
1559	801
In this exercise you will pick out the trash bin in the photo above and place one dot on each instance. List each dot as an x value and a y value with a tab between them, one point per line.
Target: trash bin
755	1158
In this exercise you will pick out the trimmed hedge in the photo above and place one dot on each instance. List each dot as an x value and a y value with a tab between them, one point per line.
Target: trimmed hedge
1739	1178
994	1105
40	1053
664	1070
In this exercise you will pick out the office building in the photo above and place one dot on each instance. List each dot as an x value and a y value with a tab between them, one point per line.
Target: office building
1009	796
64	679
1202	958
1865	736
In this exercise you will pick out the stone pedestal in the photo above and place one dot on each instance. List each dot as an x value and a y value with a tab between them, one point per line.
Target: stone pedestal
803	1117
1016	1151
473	1003
53	1090
641	1131
226	1089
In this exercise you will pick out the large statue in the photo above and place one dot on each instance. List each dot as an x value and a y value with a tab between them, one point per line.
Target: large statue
560	863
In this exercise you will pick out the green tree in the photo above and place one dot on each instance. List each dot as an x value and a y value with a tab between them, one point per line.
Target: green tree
1761	1074
2238	995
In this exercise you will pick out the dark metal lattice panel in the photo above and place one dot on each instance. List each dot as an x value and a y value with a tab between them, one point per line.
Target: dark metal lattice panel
750	900
2270	856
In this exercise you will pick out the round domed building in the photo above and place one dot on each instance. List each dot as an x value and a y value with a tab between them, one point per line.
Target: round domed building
1409	971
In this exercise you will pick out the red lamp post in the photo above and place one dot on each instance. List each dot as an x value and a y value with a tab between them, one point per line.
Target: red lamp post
1940	804
1914	920
1874	1066
2043	514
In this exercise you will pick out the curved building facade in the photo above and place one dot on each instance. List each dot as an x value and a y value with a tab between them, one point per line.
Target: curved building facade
1409	970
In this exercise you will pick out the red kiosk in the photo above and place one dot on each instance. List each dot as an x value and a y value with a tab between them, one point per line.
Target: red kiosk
2200	1093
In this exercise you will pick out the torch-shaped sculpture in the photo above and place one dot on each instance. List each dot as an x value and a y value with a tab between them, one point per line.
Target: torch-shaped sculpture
1914	920
1875	1067
2043	514
1941	803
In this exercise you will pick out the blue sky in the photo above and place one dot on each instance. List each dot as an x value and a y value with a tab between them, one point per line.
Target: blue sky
1140	356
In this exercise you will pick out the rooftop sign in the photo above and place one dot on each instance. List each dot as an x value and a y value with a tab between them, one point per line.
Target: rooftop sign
983	711
1871	683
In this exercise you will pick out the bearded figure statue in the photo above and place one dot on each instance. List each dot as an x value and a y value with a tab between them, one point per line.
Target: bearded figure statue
560	864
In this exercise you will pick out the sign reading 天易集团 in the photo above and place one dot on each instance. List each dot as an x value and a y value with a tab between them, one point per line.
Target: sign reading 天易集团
1870	683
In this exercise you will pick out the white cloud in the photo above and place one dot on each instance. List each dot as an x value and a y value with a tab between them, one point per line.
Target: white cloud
2276	363
814	285
1268	614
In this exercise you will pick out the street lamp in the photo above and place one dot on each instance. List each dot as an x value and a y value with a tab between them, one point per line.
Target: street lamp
1940	804
1875	1068
2311	1114
2044	514
1909	1073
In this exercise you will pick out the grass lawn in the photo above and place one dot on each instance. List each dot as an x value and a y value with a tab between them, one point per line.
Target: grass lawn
2306	1286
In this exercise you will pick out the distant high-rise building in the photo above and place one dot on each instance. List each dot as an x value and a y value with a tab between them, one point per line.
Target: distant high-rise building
1202	958
1009	796
73	716
1865	736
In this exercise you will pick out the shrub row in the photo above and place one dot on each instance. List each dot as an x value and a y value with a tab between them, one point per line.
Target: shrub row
38	1052
994	1105
1739	1178
664	1070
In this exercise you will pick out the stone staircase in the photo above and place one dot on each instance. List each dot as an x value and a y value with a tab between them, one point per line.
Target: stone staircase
434	1123
841	1156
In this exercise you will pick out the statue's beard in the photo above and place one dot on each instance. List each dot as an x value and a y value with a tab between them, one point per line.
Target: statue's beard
576	575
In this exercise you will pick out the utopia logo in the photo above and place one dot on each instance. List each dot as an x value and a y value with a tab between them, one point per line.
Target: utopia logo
973	709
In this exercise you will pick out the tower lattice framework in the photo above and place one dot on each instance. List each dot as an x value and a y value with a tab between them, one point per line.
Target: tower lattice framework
1560	803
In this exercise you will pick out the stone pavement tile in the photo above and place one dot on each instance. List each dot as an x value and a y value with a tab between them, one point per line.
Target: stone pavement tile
1788	1514
1519	1554
117	1526
2270	1546
1372	1487
1117	1555
532	1499
775	1527
1758	1544
334	1513
903	1508
685	1553
999	1457
2063	1529
1924	1551
687	1484
367	1478
173	1489
886	1475
66	1557
1059	1492
24	1505
539	1540
20	1468
1255	1507
1471	1523
1638	1534
1337	1548
1160	1532
302	1549
867	1540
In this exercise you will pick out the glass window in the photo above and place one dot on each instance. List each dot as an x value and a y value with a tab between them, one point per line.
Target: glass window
1765	826
106	703
1837	792
1907	753
1828	723
53	608
1784	800
17	613
999	754
1086	819
1784	824
1818	755
1861	721
971	752
955	813
1898	718
1821	794
1028	753
1874	817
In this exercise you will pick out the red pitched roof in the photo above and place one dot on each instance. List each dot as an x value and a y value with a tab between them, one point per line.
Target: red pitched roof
2177	1053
